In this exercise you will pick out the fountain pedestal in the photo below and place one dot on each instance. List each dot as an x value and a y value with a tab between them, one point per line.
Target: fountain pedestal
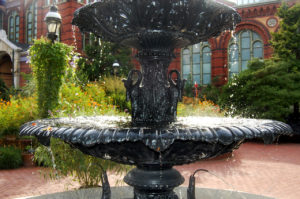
154	182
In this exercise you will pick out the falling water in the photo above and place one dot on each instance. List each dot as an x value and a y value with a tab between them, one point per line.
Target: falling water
161	165
74	37
233	189
53	161
180	194
31	144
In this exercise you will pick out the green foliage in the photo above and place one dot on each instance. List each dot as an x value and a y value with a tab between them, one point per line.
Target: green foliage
69	161
286	41
197	107
189	87
266	90
77	101
42	156
99	59
4	91
209	92
16	112
49	62
116	92
29	88
10	158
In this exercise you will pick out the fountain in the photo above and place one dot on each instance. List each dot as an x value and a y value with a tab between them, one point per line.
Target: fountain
155	140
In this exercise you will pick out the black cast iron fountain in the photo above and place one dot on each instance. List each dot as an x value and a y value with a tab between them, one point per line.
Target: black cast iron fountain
155	140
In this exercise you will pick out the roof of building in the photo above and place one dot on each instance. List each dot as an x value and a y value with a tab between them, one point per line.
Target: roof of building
23	46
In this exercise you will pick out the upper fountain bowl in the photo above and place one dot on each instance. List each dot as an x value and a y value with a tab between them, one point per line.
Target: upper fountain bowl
145	24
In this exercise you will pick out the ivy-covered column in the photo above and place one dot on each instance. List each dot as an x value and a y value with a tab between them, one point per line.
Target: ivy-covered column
48	61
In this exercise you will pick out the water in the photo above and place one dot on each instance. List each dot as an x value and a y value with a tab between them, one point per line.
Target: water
74	37
53	162
233	189
104	122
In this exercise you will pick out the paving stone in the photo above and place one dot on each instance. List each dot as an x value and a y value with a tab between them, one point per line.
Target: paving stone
270	170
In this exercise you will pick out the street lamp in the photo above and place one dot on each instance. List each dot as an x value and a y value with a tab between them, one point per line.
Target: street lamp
53	21
116	66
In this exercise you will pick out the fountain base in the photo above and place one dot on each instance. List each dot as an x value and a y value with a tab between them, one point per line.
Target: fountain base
126	192
151	183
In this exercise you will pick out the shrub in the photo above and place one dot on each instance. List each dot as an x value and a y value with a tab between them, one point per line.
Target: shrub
30	88
71	161
74	101
198	107
10	158
116	92
210	93
266	90
4	91
100	56
15	113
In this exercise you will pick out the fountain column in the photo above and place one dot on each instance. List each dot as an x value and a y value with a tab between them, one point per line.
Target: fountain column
155	94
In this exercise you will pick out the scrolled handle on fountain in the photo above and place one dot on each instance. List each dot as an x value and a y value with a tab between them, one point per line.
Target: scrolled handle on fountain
178	83
132	90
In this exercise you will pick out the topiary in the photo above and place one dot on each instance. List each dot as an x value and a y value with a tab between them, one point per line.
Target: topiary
10	158
49	62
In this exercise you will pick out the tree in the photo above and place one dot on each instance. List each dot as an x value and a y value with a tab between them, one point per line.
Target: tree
4	92
286	41
100	56
265	90
268	88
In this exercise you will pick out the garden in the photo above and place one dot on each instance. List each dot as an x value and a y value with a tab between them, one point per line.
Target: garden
65	85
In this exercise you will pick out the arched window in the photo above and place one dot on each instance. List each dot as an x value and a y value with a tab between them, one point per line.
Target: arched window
29	27
14	26
17	28
11	22
31	22
1	19
196	63
47	2
244	46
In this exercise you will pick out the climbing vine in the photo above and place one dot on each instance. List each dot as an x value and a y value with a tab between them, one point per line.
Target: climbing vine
48	61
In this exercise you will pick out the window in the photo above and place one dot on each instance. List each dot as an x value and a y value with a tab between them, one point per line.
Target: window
243	47
14	26
245	2
196	63
29	27
1	19
11	28
17	28
47	2
31	22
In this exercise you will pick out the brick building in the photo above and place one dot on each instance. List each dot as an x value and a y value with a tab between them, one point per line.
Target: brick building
208	62
23	21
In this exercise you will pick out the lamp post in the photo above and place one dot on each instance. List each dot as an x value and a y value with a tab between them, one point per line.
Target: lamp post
53	21
116	66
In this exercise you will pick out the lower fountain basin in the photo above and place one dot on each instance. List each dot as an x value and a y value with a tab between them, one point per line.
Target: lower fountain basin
188	140
127	193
